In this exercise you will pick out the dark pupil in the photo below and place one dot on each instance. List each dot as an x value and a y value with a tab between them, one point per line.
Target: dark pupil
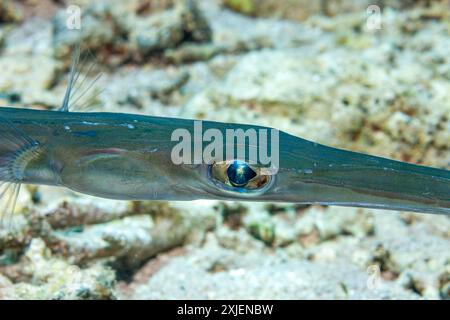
240	173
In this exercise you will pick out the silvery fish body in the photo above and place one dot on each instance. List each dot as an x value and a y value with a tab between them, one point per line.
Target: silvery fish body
130	157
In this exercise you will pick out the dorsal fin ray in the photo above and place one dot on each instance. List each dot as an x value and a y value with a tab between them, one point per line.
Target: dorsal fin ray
72	79
75	91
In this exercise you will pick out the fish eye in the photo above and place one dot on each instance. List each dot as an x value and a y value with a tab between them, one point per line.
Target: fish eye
239	173
239	176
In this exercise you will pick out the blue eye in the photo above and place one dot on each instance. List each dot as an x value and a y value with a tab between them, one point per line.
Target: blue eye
239	173
239	177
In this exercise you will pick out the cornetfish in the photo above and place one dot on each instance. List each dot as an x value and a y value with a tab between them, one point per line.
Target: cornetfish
130	157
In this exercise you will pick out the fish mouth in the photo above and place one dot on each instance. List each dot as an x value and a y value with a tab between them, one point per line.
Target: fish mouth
381	192
315	174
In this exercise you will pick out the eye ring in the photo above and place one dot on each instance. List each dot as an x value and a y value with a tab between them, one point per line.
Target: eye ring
239	177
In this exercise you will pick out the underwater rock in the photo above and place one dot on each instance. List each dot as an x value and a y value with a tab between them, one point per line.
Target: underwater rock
200	27
303	9
16	232
5	283
406	270
97	29
228	38
242	6
310	227
9	12
263	230
127	28
168	29
125	25
417	265
76	212
57	212
444	285
227	31
28	69
164	30
125	237
212	272
30	77
295	10
239	240
192	52
133	239
146	87
334	221
54	278
119	232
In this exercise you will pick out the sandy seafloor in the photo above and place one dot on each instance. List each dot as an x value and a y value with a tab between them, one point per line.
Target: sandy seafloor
310	68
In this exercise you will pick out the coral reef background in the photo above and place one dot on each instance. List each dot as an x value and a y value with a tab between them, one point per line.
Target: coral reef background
311	68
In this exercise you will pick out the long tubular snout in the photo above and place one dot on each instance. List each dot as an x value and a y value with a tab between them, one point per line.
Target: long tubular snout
332	176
